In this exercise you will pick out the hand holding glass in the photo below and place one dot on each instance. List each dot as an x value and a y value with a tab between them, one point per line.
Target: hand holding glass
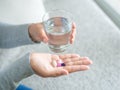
58	25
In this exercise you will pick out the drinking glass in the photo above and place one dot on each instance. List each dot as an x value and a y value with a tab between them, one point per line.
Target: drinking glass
58	25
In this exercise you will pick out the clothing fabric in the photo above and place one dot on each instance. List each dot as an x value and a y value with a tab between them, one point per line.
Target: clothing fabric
14	36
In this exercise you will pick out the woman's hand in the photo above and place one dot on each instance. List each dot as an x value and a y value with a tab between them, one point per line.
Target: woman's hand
45	65
37	33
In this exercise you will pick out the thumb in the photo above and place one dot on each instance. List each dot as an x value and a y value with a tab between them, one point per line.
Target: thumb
59	72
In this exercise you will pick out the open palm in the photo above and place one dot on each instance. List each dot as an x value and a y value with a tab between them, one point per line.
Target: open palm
45	65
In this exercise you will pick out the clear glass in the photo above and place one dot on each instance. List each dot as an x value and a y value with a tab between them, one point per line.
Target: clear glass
58	25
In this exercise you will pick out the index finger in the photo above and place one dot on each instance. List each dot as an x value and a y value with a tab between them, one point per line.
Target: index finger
76	68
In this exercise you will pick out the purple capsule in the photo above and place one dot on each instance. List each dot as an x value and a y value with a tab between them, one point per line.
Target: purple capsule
60	64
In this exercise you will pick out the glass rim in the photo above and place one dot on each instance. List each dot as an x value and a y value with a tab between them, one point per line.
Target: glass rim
57	10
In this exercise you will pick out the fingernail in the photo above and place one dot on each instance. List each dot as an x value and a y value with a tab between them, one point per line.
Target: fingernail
87	67
91	62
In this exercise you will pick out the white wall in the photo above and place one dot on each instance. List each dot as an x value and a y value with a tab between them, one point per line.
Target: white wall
21	11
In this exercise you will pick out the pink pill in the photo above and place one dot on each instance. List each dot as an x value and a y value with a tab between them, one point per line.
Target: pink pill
58	64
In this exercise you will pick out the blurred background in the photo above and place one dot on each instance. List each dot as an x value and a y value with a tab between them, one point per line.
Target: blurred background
29	11
98	37
21	11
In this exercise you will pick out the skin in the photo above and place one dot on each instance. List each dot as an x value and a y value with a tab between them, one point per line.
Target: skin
45	64
37	33
42	64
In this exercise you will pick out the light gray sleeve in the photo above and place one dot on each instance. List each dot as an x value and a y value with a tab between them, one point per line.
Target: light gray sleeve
14	35
15	72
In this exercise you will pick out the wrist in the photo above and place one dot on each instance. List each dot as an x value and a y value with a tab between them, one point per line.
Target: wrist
31	61
35	32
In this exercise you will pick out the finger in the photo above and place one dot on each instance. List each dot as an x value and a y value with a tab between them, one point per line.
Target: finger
65	56
70	60
54	63
42	33
67	60
86	58
76	68
80	62
58	72
44	36
57	63
75	59
55	60
72	37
